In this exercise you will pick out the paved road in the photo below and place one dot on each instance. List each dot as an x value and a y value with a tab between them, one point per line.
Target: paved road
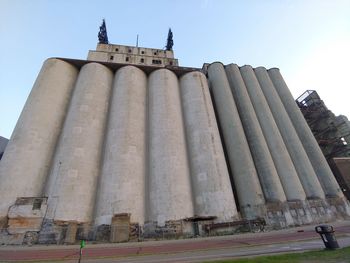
190	250
225	253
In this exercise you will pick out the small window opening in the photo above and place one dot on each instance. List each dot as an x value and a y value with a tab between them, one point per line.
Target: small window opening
37	204
111	57
171	63
127	59
155	53
129	50
156	61
142	60
142	52
116	49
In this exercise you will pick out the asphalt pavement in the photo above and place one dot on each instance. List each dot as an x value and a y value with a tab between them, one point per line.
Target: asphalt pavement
185	250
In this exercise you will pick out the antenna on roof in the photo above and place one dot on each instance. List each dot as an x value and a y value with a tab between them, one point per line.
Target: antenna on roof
137	40
169	42
102	34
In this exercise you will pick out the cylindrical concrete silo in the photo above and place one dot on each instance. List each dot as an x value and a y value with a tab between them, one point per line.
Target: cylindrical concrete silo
122	183
169	185
250	195
75	170
296	150
283	163
212	191
324	173
269	180
26	162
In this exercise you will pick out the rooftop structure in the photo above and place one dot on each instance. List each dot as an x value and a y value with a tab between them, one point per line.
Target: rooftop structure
106	52
132	55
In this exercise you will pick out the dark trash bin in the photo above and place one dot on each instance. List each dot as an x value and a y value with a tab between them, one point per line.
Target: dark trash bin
327	234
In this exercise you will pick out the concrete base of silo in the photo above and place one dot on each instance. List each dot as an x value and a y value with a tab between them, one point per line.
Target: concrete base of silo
64	232
340	207
274	216
172	229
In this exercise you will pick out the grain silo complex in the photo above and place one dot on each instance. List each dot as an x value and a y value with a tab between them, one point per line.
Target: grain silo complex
129	143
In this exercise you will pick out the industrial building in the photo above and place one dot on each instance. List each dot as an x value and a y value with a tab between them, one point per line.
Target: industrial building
332	134
3	144
129	143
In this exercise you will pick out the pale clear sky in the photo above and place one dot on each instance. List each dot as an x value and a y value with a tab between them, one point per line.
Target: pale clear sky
309	40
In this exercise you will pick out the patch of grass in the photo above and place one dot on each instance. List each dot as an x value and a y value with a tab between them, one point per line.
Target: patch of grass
330	256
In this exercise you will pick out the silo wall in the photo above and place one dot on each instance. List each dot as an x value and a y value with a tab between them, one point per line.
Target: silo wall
75	170
169	185
318	161
245	177
161	147
121	187
27	159
212	191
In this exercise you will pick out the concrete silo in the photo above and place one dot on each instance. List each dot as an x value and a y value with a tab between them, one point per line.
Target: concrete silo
324	173
27	159
245	177
169	186
75	170
284	165
128	138
212	191
122	181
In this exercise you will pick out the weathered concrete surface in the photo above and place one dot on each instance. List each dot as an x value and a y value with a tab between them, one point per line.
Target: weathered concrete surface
169	185
319	163
250	195
283	163
147	164
307	176
240	80
26	215
122	183
71	233
120	227
212	192
75	169
30	150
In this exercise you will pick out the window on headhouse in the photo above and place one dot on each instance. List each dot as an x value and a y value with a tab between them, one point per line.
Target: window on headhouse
37	204
156	61
127	59
142	60
142	52
116	49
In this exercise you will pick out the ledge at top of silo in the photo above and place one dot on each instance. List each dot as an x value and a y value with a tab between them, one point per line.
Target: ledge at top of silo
206	66
148	69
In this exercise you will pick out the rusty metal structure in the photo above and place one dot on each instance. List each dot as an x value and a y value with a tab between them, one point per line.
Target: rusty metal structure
332	134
